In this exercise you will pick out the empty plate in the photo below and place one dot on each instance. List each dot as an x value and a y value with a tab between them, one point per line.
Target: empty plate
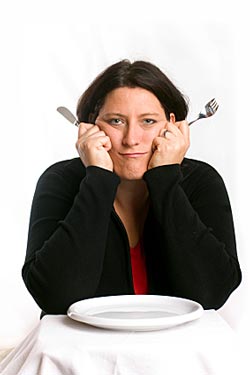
135	312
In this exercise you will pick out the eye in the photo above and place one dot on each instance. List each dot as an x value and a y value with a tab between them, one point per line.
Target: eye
115	121
149	121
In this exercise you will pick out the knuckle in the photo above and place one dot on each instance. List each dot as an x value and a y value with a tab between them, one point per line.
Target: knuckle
81	127
77	144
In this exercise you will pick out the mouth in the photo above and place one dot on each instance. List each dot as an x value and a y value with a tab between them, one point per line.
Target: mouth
133	154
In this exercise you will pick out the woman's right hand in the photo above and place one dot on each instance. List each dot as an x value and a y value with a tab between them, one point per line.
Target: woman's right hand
93	146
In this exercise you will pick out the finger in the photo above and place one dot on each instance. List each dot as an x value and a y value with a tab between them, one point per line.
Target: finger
185	130
100	142
108	144
168	130
173	128
83	128
92	132
163	131
157	144
167	134
95	140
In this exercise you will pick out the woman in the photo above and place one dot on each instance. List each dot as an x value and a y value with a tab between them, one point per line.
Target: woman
131	214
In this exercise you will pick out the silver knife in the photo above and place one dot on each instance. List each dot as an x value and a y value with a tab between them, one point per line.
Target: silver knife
68	115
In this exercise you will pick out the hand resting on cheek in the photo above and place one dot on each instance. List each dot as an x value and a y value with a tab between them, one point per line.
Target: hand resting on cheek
171	145
93	146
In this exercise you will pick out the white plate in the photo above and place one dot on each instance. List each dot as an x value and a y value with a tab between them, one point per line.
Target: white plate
135	312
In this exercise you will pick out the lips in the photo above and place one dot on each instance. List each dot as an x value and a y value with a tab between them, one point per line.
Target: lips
133	154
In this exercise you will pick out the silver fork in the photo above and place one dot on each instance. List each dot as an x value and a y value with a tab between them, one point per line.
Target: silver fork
208	111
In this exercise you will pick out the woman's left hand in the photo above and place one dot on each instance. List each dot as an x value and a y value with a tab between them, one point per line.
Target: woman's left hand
171	145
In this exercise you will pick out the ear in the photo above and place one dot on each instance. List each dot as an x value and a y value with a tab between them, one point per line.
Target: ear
172	118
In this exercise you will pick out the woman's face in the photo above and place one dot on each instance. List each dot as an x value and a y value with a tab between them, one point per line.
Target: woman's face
132	118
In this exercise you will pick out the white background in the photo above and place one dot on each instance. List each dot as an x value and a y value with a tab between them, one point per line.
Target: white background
51	52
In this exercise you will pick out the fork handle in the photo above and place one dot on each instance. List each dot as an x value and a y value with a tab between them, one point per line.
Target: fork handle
191	122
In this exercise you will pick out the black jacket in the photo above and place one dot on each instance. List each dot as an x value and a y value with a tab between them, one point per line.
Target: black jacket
78	247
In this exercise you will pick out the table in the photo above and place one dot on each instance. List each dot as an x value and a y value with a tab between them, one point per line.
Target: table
61	346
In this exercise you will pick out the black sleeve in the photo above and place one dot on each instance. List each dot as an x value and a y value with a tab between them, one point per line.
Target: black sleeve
64	253
196	221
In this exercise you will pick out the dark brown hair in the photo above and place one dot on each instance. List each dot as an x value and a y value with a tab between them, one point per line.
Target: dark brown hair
126	74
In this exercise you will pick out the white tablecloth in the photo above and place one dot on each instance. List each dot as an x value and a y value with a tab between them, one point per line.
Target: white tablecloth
61	346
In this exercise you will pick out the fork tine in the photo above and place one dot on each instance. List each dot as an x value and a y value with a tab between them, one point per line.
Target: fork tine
213	103
215	106
210	104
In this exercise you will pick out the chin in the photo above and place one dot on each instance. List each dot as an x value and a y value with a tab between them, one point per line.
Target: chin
130	174
131	169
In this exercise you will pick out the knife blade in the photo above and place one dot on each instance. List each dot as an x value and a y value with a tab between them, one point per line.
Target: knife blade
65	112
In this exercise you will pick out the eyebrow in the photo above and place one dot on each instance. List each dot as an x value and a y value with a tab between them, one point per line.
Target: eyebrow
150	114
121	115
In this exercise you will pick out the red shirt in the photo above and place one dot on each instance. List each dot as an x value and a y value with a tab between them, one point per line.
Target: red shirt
139	271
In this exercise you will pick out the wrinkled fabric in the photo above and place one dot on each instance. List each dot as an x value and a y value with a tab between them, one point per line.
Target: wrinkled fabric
60	346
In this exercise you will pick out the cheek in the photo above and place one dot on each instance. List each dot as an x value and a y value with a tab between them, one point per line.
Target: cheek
114	135
108	130
149	136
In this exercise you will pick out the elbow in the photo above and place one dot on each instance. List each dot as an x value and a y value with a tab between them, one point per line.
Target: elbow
217	294
48	297
51	294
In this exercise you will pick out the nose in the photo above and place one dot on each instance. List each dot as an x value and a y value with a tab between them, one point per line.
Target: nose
132	135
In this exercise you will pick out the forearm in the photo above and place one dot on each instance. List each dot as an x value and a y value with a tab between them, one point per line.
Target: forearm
65	251
200	254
